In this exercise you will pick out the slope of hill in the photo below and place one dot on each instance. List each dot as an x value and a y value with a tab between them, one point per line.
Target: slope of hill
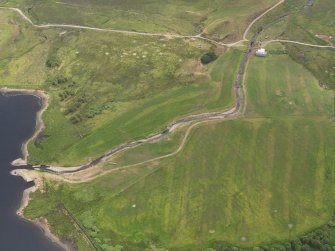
260	180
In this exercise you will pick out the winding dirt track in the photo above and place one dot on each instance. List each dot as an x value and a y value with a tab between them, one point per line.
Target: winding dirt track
300	43
199	118
41	26
203	117
82	27
198	36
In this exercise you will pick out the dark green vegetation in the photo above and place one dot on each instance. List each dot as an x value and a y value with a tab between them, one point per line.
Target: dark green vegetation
222	19
317	61
208	57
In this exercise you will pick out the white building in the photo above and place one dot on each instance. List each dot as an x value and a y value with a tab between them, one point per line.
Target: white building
261	52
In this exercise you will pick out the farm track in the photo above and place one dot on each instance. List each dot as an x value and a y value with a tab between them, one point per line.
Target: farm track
170	35
199	118
198	36
82	27
299	43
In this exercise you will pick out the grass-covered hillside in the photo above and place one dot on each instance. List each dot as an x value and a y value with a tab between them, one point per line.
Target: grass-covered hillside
106	89
260	179
99	80
222	19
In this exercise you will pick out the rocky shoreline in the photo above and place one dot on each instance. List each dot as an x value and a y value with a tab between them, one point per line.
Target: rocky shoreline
42	223
44	99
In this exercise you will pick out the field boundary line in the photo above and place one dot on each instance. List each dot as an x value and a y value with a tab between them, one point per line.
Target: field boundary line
78	226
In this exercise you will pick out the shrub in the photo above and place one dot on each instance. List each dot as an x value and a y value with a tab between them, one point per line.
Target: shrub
75	119
52	62
208	57
56	80
305	247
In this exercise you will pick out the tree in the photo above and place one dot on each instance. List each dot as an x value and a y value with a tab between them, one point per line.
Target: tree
305	247
208	57
296	245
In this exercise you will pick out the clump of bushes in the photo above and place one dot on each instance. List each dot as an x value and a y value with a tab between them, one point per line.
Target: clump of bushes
75	119
57	80
52	62
76	103
99	109
208	57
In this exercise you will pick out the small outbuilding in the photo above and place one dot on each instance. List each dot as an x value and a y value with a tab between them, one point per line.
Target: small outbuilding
261	53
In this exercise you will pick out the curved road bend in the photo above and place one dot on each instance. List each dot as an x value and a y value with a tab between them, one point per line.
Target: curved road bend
25	17
259	17
82	27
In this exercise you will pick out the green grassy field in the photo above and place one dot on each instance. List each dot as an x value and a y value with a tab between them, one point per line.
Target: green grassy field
224	19
236	192
19	44
279	93
248	182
